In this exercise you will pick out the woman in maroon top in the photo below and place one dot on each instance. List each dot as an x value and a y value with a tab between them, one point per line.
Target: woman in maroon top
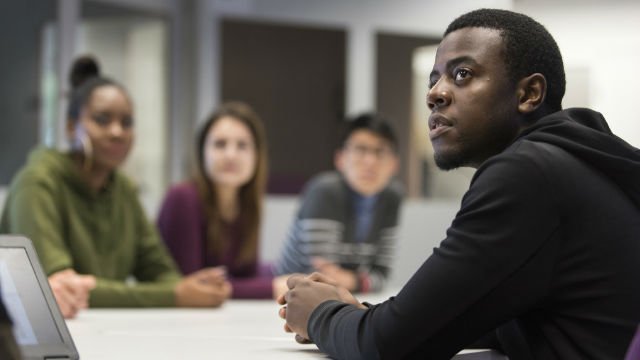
214	219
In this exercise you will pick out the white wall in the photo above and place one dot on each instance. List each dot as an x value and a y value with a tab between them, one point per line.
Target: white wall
422	227
360	18
278	214
602	39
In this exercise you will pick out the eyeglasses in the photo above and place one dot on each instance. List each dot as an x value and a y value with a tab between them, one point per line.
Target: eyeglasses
360	151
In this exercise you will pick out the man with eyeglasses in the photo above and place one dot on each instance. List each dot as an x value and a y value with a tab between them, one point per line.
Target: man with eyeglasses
347	223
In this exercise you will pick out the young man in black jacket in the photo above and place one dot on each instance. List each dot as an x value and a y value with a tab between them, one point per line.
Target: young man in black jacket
542	260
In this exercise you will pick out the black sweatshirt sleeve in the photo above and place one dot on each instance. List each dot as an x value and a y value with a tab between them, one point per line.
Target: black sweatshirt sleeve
494	263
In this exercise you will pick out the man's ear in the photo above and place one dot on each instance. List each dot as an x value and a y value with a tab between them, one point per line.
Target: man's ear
531	91
396	164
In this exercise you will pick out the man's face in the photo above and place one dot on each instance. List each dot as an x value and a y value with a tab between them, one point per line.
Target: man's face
367	162
474	104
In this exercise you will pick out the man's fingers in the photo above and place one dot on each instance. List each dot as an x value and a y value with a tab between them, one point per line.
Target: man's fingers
294	280
320	277
287	328
302	340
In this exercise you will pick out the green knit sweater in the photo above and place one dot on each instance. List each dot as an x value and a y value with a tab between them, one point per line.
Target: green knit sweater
103	233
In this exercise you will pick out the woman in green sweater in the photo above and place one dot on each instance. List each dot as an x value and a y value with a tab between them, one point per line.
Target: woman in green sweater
84	217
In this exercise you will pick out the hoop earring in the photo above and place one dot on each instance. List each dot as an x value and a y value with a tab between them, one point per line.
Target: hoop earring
87	150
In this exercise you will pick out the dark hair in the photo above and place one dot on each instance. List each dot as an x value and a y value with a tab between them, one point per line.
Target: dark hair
528	48
83	79
83	68
375	123
250	194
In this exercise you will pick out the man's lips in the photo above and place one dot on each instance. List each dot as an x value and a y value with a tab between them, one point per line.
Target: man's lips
438	124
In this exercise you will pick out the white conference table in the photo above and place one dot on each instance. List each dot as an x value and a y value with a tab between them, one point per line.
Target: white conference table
240	329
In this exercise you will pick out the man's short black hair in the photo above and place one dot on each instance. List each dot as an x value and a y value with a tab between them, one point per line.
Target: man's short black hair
375	123
528	48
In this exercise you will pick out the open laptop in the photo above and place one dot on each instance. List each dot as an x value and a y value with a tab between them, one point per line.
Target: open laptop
38	325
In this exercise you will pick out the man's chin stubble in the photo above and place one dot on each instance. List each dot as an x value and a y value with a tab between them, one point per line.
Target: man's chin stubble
447	163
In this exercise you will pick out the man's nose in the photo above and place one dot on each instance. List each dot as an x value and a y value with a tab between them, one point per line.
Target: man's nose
438	96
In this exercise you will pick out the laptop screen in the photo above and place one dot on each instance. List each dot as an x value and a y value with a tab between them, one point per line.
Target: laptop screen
35	326
38	326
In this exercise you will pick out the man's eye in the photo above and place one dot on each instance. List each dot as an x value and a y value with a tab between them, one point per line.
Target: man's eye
462	74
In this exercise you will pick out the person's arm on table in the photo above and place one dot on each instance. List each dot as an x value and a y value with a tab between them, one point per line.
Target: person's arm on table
306	293
199	289
463	291
204	288
159	283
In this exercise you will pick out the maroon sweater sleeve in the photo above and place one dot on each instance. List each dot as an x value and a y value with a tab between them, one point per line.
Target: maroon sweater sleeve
180	223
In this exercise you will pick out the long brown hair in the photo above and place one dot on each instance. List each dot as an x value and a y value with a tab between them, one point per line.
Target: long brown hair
250	194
